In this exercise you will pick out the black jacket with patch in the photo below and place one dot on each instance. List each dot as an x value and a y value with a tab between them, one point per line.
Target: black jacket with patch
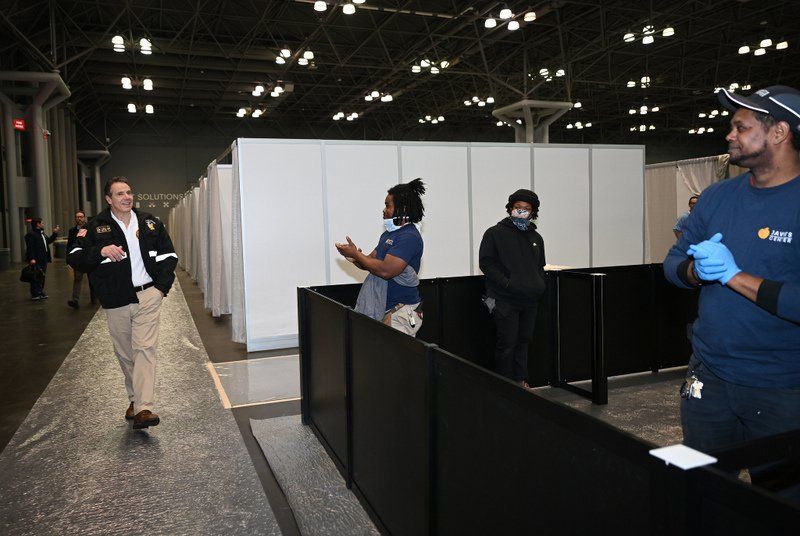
111	281
513	263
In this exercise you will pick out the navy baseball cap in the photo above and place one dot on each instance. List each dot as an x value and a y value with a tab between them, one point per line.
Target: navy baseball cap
781	102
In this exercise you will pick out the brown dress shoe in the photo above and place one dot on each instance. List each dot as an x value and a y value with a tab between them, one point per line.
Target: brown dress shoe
144	419
129	412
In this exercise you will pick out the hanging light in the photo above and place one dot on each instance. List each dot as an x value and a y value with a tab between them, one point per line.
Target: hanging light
387	98
259	89
368	98
669	31
490	100
647	39
348	9
416	68
782	45
530	16
425	63
434	70
358	2
577	105
274	94
499	123
631	83
147	84
489	23
710	129
308	55
652	127
148	109
632	111
759	51
467	103
643	110
701	130
319	5
506	14
642	128
560	72
279	60
513	25
701	114
475	99
257	113
440	118
145	46
649	29
119	43
629	37
131	108
744	49
444	64
692	131
434	121
374	94
481	103
126	83
569	126
655	109
302	61
241	112
765	43
588	125
278	89
285	52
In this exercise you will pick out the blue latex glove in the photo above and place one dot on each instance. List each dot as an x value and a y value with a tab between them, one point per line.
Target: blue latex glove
713	261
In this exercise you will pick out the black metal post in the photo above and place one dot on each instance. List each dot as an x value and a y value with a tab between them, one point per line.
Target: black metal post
348	399
431	397
305	357
599	378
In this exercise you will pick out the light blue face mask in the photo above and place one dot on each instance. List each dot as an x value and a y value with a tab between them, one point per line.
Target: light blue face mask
390	225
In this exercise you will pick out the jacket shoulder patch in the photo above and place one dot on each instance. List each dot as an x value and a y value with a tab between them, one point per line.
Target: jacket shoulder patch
103	229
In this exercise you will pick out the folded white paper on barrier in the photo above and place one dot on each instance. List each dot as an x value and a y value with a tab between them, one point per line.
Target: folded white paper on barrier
683	456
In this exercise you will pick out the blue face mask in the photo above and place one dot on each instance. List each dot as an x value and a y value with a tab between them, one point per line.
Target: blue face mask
389	224
521	218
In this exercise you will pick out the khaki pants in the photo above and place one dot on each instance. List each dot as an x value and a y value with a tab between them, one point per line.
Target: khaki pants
134	330
402	318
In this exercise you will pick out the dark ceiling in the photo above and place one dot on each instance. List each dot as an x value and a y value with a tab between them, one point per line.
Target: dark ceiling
208	56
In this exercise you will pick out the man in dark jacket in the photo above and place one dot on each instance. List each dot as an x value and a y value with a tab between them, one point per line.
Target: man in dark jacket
131	265
512	259
77	277
37	253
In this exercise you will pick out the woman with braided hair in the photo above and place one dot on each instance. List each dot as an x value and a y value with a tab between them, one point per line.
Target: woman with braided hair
390	291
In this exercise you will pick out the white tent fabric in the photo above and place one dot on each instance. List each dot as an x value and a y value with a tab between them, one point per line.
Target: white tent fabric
700	173
202	234
660	200
219	242
238	313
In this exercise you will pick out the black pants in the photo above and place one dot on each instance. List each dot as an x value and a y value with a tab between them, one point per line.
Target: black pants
37	287
515	325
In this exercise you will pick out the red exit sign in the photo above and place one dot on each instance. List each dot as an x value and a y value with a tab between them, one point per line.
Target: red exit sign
19	124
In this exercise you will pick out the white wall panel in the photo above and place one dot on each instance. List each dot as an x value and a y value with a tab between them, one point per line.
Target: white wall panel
561	180
282	235
497	171
225	179
356	177
617	206
445	227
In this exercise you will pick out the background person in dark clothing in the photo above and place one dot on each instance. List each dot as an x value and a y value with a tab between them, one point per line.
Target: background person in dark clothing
37	252
512	259
77	276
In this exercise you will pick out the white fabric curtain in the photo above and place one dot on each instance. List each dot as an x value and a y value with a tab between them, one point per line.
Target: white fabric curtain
238	323
219	230
700	173
660	199
195	242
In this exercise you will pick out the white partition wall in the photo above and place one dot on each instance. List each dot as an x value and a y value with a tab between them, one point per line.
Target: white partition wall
294	198
283	234
562	183
496	170
617	179
356	179
445	228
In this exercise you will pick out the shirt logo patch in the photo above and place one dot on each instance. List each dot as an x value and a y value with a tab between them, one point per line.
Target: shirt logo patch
81	233
103	229
763	234
389	241
780	236
150	224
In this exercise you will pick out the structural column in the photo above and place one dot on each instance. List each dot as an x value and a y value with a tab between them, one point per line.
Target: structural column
11	175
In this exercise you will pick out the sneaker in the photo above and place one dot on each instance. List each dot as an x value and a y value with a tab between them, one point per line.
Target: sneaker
43	296
36	298
73	304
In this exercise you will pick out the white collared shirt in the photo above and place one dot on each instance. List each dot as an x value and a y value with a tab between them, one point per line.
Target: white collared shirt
139	275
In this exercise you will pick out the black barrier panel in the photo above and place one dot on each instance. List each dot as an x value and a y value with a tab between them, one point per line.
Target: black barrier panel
511	462
431	312
543	354
467	327
675	310
324	357
390	424
344	294
629	323
575	325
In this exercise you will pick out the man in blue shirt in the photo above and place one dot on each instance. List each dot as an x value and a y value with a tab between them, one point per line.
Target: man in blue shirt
741	246
678	228
399	248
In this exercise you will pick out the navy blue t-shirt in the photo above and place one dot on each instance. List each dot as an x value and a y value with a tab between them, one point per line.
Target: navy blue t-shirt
404	243
736	339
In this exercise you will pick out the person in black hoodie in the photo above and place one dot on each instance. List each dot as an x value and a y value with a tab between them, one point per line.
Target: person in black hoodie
37	253
512	260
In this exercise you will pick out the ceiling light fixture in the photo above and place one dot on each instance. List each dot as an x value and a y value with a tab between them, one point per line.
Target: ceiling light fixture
147	84
126	83
416	69
145	46
506	14
513	25
148	109
783	45
309	55
302	61
765	43
530	16
257	113
285	52
319	5
489	23
279	60
119	43
348	9
131	108
669	31
759	52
